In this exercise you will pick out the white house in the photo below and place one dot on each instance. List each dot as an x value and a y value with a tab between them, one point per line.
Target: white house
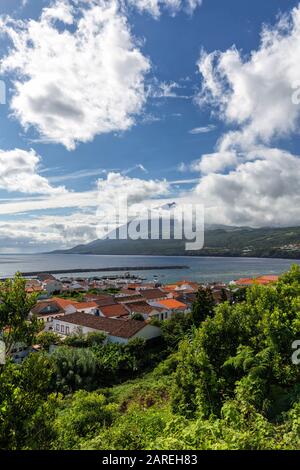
48	310
148	311
117	331
171	306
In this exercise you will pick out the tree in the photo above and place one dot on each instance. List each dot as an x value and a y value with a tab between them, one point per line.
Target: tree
175	329
47	339
74	369
27	410
85	341
243	353
15	307
203	306
85	415
224	296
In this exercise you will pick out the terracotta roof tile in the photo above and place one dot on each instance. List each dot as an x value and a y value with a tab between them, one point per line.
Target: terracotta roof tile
113	327
129	298
64	303
116	310
140	307
152	294
172	304
40	306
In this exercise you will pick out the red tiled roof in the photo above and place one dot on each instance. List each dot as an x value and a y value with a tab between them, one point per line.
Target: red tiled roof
172	304
128	291
105	302
113	327
152	294
83	305
189	283
245	281
32	289
169	287
116	310
268	278
39	307
263	280
140	307
129	298
64	303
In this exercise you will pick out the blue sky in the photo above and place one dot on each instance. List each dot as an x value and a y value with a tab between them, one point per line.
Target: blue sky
163	125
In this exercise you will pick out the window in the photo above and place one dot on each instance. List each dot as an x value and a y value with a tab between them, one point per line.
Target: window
67	330
57	327
62	329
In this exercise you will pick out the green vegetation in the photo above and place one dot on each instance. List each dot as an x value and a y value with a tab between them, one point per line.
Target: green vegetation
221	378
15	307
47	338
219	241
72	295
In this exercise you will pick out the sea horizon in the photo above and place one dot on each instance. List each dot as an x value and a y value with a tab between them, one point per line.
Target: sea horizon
199	268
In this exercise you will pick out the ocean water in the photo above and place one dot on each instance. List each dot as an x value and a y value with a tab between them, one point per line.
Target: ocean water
198	268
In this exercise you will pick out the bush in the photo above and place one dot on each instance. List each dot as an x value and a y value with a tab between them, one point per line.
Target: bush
75	369
84	415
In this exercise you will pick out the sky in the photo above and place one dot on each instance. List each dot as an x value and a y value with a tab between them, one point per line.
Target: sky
155	100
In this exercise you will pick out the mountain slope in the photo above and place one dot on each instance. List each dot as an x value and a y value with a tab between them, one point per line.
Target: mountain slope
220	241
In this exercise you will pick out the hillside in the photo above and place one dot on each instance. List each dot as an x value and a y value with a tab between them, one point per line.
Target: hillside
219	241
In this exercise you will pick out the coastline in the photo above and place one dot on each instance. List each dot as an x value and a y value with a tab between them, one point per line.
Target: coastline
92	270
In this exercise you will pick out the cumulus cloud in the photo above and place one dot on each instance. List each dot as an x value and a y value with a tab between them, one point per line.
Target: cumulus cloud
261	192
84	223
136	190
255	93
72	84
214	162
155	7
55	231
19	172
253	96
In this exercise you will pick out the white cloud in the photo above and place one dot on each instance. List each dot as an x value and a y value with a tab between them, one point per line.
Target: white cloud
214	162
261	192
253	95
203	129
107	190
183	167
60	10
138	166
166	90
80	174
81	226
155	7
54	201
19	172
72	86
56	231
136	190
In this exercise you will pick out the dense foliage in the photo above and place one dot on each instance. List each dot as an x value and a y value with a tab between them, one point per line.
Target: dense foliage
15	305
222	378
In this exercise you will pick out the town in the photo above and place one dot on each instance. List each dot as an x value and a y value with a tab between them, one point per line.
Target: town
122	307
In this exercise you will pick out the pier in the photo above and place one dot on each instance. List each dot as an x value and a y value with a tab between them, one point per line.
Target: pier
99	270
